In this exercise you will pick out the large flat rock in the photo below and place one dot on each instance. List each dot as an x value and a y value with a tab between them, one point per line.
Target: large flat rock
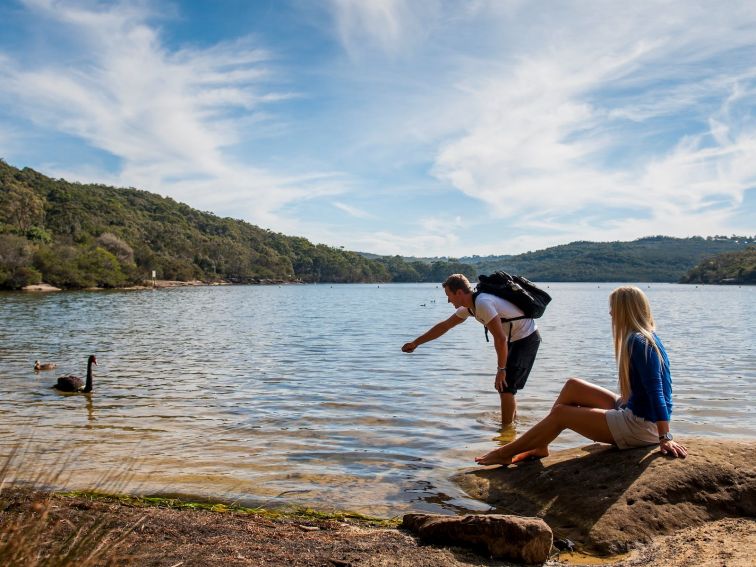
607	500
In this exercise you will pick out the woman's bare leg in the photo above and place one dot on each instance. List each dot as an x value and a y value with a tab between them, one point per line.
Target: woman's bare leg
588	422
579	393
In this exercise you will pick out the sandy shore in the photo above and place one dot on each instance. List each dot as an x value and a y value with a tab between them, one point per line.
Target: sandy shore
123	531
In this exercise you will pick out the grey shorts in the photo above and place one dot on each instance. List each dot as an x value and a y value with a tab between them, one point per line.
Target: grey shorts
629	430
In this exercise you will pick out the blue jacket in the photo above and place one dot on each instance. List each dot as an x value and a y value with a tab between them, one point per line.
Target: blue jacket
650	381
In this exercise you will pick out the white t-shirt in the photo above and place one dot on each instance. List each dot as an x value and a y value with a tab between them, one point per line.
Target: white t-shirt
488	306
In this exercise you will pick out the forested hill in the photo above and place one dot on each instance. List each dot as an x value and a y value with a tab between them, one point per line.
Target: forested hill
727	268
651	259
74	235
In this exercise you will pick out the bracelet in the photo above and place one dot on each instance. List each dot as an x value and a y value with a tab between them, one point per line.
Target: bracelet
501	369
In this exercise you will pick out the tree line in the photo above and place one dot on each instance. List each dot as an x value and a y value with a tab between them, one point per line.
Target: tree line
648	259
737	267
74	235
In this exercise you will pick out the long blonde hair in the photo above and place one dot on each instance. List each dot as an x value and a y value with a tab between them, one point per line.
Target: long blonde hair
631	313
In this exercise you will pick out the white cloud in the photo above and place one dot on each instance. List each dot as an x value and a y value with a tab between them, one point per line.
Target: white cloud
540	133
390	243
352	211
391	26
431	234
440	224
564	121
167	115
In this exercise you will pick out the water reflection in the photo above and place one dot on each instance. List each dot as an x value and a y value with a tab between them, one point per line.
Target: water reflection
90	411
507	434
299	394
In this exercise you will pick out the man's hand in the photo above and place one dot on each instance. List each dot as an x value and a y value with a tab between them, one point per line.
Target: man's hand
501	380
409	347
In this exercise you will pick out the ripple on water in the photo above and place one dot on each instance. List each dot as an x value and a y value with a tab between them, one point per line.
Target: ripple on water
220	392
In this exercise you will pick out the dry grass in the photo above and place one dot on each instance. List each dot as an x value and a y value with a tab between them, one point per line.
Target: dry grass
33	533
42	528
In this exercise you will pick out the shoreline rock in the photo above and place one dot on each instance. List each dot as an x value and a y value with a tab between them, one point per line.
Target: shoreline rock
609	501
40	287
526	540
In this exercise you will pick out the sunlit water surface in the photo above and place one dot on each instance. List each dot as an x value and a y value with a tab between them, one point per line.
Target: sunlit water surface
299	395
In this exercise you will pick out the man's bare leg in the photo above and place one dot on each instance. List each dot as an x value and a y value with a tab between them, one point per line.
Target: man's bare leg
506	434
508	408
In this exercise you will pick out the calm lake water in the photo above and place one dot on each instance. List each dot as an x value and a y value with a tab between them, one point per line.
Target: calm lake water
300	395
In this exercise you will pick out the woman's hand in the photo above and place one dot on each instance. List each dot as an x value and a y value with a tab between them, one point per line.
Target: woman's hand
673	449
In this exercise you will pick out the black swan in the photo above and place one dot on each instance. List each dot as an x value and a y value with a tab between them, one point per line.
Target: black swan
43	366
74	383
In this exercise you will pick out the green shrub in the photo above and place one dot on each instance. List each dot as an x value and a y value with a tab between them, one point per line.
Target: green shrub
100	267
39	234
20	277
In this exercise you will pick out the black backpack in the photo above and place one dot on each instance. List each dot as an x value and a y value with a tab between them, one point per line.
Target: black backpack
519	291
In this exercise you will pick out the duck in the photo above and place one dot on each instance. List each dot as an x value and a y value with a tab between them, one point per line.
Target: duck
43	366
74	383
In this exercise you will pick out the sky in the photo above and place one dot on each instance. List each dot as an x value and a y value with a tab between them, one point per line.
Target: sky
411	127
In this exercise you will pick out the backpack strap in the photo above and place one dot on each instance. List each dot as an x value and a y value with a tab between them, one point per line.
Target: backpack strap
474	299
503	320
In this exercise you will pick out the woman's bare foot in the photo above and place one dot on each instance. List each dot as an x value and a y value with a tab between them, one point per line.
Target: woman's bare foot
495	457
538	453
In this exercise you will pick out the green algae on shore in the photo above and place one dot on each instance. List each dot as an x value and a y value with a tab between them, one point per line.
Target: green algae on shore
283	513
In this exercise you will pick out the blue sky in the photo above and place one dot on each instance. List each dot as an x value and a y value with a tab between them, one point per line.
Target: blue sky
413	127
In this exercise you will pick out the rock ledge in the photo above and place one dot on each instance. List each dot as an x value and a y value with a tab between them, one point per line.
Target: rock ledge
609	501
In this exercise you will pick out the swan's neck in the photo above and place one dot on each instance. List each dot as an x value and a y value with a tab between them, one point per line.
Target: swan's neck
88	385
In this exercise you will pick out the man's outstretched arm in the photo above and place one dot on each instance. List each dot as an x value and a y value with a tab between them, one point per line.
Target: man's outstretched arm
433	333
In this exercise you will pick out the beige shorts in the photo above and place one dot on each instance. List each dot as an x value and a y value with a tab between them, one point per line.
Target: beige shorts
629	430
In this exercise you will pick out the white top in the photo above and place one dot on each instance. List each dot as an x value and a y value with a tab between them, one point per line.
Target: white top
488	306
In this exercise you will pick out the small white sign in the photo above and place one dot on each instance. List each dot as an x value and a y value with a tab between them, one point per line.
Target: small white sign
153	274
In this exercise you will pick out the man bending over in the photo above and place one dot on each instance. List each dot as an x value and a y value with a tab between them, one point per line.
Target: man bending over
516	342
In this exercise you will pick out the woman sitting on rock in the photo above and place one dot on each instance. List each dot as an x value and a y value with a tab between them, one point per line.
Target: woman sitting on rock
639	416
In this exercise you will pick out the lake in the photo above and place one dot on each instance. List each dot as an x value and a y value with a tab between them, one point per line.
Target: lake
300	395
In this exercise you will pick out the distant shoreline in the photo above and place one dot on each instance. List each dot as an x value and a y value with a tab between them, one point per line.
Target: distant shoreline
170	284
160	284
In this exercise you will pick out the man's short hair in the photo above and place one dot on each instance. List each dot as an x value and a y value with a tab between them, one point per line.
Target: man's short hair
456	282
